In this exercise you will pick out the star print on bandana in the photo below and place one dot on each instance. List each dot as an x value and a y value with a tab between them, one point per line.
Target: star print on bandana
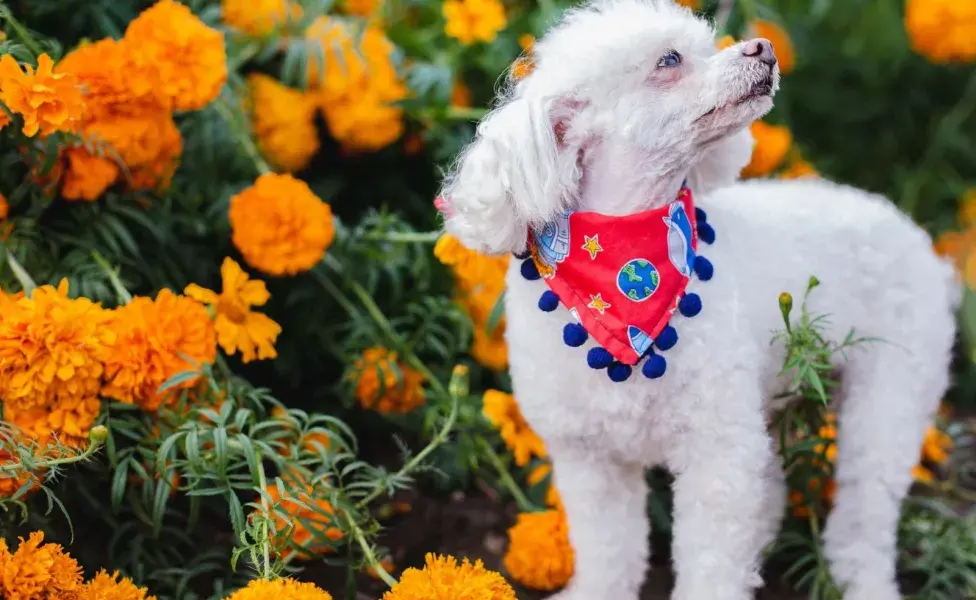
592	245
598	304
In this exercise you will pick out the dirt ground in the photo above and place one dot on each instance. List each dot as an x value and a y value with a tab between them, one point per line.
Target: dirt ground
473	526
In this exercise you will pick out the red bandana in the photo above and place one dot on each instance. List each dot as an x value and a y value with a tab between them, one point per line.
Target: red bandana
622	278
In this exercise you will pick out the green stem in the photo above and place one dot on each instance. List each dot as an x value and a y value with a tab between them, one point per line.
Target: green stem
243	137
265	534
23	277
407	237
360	537
96	439
113	276
21	31
524	504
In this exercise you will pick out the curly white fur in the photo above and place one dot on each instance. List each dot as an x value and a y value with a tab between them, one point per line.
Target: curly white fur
599	125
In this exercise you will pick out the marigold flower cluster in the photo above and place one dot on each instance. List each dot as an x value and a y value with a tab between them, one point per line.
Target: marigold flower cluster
539	554
503	412
470	21
280	589
385	384
442	578
943	31
168	60
356	82
480	281
38	571
280	226
283	121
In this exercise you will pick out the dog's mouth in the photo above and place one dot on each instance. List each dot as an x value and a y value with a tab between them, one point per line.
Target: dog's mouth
761	89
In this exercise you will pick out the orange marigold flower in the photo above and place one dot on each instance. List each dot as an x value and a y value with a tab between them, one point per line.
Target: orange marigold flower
38	571
280	226
384	384
942	30
772	145
52	351
503	412
88	175
283	120
692	4
539	554
936	445
782	44
310	524
4	207
47	100
258	18
799	168
156	340
186	59
280	589
112	85
922	474
362	8
113	587
239	329
471	21
358	86
442	578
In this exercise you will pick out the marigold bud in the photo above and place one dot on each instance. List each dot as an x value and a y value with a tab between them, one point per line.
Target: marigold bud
98	434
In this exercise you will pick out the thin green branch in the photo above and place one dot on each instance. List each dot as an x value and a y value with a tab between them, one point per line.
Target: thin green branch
112	273
23	277
368	553
406	237
524	504
96	438
20	30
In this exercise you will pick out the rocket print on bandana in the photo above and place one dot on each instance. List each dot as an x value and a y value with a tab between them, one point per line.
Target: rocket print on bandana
620	277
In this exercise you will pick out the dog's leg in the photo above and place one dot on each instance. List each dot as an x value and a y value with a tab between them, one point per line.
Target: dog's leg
608	527
888	398
722	458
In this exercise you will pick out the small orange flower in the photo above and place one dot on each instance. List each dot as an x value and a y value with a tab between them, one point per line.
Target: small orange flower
311	526
280	226
38	571
471	21
936	446
386	385
239	329
185	59
88	175
772	145
503	412
113	587
48	101
782	44
283	120
799	168
156	340
539	554
942	30
442	578
258	18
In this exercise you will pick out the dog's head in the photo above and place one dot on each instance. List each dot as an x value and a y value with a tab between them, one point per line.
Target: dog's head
622	76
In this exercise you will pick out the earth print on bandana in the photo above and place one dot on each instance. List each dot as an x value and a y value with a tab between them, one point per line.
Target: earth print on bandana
621	276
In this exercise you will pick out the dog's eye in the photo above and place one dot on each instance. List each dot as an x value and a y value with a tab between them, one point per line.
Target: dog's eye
670	59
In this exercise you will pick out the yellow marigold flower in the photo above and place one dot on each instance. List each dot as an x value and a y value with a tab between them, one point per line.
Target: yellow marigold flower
772	145
280	226
49	101
156	340
936	445
503	412
460	94
314	530
186	59
724	42
87	176
386	385
471	21
539	554
280	589
258	18
942	30
38	571
782	44
283	120
111	587
52	350
357	84
239	329
442	578
112	85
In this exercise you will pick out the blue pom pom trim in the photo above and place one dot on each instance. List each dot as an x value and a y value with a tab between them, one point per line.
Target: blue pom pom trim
706	233
690	305
700	216
655	366
619	372
599	358
574	335
667	338
529	270
549	301
703	268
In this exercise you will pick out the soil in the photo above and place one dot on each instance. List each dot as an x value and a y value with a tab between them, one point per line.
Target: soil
473	525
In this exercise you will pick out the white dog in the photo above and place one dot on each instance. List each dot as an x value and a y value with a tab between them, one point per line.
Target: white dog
628	99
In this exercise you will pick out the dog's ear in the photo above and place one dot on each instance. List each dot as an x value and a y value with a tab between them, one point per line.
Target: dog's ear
721	164
520	171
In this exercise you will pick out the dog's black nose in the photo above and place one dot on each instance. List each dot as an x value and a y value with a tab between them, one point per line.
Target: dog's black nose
760	48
